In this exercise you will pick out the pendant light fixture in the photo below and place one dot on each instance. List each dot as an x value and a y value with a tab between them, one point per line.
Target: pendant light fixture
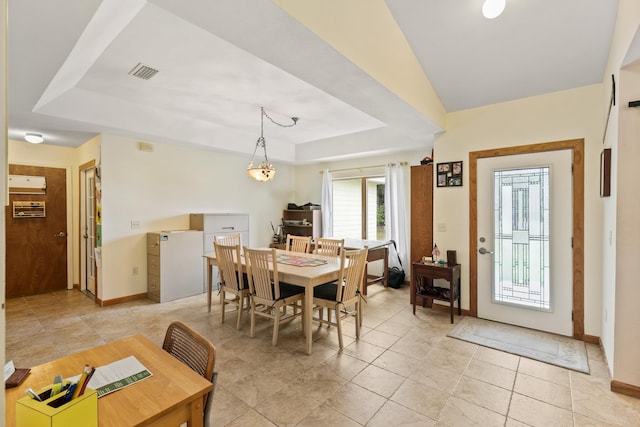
265	170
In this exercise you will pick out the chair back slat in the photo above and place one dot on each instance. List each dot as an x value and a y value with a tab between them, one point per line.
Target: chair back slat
298	243
228	239
262	284
228	259
353	272
328	247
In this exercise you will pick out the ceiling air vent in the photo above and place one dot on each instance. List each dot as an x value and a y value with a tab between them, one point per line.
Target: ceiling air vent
143	72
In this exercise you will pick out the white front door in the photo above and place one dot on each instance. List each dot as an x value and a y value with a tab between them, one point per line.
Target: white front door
525	274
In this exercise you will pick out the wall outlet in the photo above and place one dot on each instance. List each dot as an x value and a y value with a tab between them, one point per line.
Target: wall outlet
134	271
135	224
441	227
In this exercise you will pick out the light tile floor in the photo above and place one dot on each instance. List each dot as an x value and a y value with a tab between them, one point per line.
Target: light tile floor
403	370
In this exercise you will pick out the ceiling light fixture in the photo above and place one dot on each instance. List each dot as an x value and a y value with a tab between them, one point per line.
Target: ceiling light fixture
493	8
34	138
265	170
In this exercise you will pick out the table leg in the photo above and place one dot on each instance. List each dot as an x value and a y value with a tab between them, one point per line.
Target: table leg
196	410
308	316
459	299
451	305
209	284
365	279
386	267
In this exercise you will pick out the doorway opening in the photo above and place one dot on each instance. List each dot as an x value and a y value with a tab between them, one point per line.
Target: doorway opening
577	263
87	232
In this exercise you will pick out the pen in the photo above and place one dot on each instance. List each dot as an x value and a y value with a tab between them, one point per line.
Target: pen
33	394
69	394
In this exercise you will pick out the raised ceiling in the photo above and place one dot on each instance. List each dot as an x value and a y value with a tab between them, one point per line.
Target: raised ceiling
364	76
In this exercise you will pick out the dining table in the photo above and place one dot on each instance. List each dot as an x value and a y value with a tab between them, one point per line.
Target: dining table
172	395
301	269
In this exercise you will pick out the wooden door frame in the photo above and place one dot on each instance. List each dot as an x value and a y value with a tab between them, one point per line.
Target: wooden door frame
577	164
81	169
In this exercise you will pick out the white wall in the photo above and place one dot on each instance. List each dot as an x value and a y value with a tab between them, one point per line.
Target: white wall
161	188
558	116
627	292
620	293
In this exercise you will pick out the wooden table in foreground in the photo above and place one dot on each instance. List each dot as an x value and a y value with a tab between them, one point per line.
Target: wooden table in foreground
307	277
171	396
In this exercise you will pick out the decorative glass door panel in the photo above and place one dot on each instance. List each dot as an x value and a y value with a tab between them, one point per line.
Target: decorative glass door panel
521	237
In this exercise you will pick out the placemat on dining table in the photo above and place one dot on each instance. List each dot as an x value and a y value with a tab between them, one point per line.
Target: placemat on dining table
299	261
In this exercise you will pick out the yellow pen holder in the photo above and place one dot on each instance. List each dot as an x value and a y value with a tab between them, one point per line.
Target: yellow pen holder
79	412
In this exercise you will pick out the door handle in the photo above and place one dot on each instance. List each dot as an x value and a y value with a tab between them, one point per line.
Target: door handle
484	251
60	234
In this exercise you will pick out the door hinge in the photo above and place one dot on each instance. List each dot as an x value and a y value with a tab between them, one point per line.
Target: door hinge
572	243
572	315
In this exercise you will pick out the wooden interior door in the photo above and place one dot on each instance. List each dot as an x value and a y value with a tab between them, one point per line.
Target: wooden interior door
421	212
36	248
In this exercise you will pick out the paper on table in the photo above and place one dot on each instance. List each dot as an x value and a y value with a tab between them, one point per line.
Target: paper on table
116	375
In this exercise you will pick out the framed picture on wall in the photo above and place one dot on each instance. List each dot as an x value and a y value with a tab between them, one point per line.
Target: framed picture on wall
449	174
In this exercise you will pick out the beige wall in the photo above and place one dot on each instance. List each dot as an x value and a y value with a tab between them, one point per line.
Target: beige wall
159	189
620	293
622	210
554	117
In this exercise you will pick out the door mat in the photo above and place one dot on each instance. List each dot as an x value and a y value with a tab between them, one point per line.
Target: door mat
542	346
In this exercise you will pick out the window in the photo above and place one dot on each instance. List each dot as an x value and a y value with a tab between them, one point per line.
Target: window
358	208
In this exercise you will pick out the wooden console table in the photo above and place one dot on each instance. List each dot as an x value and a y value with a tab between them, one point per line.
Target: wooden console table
422	287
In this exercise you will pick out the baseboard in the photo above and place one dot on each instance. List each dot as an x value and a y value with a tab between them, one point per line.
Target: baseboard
104	303
626	389
591	339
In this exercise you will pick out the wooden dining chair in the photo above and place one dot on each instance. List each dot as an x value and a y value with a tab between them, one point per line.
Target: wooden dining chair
328	247
298	243
228	239
344	297
232	280
269	296
195	351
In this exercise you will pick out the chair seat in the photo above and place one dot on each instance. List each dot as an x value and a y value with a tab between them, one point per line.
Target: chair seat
288	290
327	291
245	282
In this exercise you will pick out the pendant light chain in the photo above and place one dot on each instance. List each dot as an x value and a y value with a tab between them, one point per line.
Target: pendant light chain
265	170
